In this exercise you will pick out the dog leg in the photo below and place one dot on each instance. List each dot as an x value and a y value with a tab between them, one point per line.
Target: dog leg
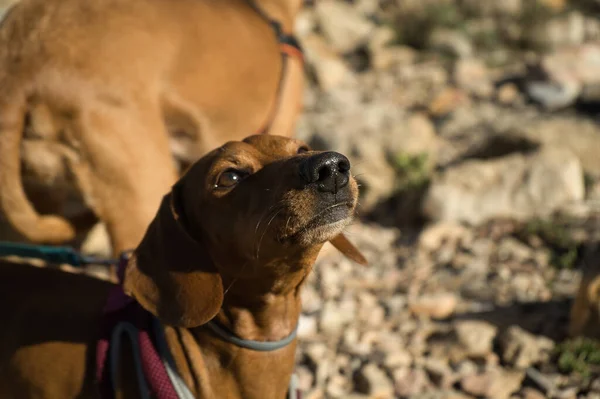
129	168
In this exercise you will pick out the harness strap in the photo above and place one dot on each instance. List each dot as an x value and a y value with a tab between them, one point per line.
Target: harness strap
115	351
289	47
154	365
183	392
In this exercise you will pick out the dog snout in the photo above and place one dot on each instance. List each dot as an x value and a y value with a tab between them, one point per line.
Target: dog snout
329	171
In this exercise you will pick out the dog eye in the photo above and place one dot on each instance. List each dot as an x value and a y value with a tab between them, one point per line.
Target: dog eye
303	149
229	178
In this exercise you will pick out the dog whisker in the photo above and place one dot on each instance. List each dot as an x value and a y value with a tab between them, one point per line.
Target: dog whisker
265	231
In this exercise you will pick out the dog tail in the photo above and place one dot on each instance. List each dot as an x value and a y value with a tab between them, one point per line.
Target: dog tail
14	203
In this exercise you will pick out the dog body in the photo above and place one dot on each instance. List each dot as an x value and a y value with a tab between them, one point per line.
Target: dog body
48	342
231	244
97	96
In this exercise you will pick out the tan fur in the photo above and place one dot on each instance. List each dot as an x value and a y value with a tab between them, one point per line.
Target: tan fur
96	98
585	311
239	255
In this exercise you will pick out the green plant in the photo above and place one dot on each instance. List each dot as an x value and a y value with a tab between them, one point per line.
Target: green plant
588	181
412	171
413	29
564	250
579	355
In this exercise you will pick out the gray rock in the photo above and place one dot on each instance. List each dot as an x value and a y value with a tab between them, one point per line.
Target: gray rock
472	75
330	70
561	30
561	77
435	306
477	337
373	381
518	186
440	374
410	382
343	26
521	349
452	42
335	316
582	139
494	384
554	95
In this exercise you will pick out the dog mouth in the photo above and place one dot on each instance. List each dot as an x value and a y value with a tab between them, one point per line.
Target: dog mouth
324	225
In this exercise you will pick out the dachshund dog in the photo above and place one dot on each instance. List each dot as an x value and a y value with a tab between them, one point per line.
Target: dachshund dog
102	103
231	246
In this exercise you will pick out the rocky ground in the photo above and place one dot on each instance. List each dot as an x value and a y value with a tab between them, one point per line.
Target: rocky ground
473	128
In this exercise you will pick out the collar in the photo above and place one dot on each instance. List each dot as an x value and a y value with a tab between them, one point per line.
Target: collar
118	301
261	346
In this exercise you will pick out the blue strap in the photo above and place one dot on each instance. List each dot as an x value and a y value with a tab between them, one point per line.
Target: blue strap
261	346
51	254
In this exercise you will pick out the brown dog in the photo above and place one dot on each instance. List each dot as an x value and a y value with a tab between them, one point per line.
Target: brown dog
96	97
232	242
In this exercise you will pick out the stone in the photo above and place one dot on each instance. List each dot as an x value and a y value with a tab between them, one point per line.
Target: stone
440	374
546	384
305	23
531	393
554	96
410	382
518	186
307	326
562	76
338	386
583	140
476	337
305	378
311	300
330	70
343	27
508	94
446	101
451	42
335	316
471	75
373	381
434	236
398	359
420	137
559	31
435	306
493	384
521	349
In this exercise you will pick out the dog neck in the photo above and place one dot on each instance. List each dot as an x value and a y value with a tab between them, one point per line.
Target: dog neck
264	308
281	11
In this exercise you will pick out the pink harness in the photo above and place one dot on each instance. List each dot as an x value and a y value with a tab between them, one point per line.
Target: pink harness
156	371
123	315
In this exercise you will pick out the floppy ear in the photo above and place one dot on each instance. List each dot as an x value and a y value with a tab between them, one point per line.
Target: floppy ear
348	249
171	273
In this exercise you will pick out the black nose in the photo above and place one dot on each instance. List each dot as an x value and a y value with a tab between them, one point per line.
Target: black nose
330	171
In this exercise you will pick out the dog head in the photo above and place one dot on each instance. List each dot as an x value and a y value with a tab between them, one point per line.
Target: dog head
257	210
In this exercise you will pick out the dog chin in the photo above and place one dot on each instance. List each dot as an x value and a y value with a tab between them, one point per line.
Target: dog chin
322	233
